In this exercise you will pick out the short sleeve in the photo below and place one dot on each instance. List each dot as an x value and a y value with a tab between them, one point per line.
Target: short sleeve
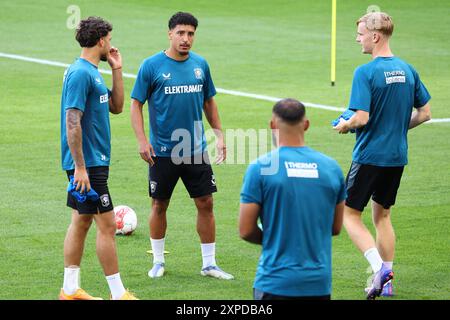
142	84
360	98
77	90
209	89
251	191
421	94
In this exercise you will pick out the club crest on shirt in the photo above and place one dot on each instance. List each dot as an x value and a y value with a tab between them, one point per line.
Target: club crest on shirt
198	73
166	76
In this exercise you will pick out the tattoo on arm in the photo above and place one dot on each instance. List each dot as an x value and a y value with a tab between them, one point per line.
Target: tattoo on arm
74	136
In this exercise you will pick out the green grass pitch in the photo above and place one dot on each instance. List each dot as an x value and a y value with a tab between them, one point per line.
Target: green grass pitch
276	48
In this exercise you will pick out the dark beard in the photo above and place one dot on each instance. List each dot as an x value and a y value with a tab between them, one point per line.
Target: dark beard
103	57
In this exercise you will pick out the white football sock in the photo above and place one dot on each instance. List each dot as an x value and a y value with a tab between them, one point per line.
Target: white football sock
115	286
71	280
389	264
209	254
158	250
374	259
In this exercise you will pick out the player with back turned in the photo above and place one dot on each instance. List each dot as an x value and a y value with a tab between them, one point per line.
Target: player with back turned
298	194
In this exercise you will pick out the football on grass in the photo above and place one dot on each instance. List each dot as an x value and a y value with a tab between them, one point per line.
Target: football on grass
126	220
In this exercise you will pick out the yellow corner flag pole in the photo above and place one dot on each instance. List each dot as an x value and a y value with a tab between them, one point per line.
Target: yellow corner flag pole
333	42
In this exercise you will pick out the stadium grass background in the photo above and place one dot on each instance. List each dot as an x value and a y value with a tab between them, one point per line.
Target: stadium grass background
278	48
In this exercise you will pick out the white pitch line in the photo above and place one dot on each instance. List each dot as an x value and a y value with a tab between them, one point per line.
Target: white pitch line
219	90
438	120
133	76
274	99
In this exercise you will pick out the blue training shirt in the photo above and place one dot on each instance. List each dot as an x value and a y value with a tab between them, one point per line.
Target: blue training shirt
297	213
176	92
84	89
388	88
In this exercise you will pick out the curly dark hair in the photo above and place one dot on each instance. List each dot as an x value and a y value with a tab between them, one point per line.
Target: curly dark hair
90	30
184	18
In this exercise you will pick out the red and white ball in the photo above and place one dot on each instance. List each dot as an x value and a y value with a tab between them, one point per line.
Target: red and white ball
126	220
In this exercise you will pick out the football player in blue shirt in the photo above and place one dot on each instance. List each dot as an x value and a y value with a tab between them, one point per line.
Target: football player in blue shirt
178	87
298	194
85	152
384	93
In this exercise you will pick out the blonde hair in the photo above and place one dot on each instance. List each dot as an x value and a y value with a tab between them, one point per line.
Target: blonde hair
378	21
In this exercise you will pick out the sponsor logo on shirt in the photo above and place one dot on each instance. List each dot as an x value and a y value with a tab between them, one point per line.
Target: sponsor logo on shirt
166	76
98	81
301	169
183	89
104	98
397	76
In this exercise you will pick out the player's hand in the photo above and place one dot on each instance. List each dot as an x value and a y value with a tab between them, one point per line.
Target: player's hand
221	151
81	180
342	126
114	58
146	151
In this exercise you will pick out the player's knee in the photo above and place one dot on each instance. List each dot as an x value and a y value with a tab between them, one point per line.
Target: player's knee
382	217
107	229
159	207
204	204
81	225
385	214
